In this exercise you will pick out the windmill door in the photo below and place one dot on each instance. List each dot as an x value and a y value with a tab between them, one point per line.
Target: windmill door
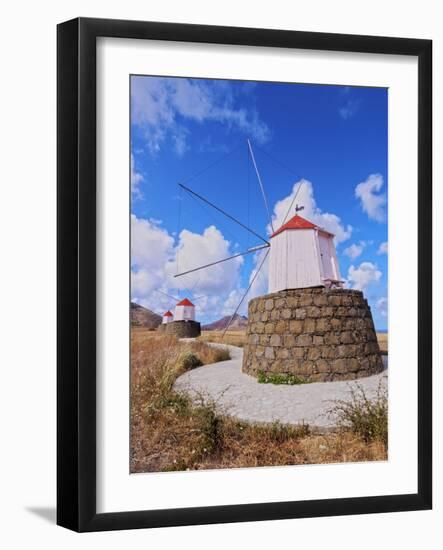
326	257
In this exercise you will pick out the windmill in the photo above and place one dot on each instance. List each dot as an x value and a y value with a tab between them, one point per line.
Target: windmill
312	247
182	322
307	325
167	317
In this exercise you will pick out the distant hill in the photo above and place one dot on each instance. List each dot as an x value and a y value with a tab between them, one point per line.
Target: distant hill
238	323
143	317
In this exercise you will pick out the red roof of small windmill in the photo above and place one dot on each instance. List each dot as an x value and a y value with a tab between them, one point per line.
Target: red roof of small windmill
297	222
167	314
185	302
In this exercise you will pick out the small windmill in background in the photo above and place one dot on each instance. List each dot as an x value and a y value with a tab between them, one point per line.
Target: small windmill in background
302	254
184	313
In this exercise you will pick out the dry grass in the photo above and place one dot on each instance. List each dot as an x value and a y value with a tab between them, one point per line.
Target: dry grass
169	432
232	337
382	338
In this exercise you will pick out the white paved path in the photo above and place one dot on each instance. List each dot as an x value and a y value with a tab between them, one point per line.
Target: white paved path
241	396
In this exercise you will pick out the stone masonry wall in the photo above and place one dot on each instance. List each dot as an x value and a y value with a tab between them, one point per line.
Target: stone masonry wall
181	329
317	334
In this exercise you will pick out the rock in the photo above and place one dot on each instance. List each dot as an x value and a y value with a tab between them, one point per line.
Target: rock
346	338
298	353
322	366
322	325
305	300
309	325
300	313
296	326
306	368
327	311
259	328
314	353
275	340
303	340
286	313
289	340
321	300
264	339
334	300
313	312
318	340
282	353
259	351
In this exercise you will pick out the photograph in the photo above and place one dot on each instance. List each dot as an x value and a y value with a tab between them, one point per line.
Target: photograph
259	273
229	246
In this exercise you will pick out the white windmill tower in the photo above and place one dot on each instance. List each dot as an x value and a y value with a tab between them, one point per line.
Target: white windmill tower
185	310
167	317
302	255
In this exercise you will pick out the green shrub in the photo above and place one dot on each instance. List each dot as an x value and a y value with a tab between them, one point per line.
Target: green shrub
273	378
209	426
178	403
189	360
366	417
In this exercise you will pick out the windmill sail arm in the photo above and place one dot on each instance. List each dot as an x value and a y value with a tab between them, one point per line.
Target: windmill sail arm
261	185
168	295
292	204
249	251
223	212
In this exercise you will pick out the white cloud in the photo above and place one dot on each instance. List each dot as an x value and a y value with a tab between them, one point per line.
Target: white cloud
383	248
354	250
258	287
136	179
233	300
305	197
159	105
381	305
155	257
372	200
195	250
349	109
367	273
260	284
151	248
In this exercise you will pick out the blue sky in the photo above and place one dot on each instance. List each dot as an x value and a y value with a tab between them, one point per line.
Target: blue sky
329	140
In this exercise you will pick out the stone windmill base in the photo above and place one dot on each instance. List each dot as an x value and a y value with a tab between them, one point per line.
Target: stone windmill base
181	329
317	334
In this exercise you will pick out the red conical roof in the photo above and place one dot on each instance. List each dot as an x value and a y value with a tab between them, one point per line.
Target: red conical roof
297	222
185	302
167	314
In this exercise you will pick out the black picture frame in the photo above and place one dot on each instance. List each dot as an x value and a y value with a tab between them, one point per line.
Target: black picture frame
76	266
